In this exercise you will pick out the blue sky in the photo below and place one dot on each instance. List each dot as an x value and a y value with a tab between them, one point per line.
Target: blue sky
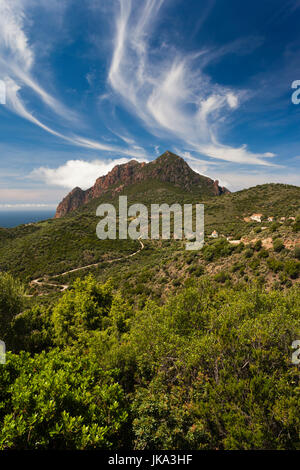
97	82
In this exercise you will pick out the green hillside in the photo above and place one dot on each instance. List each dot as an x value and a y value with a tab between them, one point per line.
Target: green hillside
144	345
58	245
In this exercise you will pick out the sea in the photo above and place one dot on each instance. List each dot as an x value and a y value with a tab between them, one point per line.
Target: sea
9	219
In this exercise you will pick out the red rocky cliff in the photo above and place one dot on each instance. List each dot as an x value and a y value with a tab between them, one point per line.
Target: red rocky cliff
167	168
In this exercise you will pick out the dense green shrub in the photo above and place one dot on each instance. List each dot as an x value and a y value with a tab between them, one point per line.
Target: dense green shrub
60	401
83	308
258	245
225	381
275	264
292	268
240	247
274	226
197	270
32	330
217	249
249	252
11	303
278	245
208	253
209	369
254	263
236	267
221	277
296	226
263	253
297	252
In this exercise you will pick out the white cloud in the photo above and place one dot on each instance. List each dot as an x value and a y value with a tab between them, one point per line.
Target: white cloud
17	56
17	60
15	102
236	155
232	100
76	173
13	38
134	151
165	89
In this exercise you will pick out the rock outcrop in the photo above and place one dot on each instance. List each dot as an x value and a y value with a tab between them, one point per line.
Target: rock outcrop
167	168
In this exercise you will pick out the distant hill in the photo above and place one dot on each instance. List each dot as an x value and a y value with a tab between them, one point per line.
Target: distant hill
61	244
168	168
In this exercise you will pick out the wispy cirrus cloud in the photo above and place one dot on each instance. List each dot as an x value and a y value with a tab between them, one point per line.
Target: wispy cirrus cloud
167	91
17	56
17	62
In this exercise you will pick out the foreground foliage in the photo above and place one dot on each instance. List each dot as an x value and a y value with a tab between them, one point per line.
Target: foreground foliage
58	400
210	369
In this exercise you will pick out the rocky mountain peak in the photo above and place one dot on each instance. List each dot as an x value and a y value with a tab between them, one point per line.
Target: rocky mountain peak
168	168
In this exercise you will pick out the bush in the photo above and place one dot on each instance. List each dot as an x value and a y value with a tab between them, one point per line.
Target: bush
209	369
208	387
196	270
292	268
249	252
11	303
236	267
32	330
275	265
219	248
240	247
222	277
263	254
258	245
278	245
274	226
296	226
297	252
254	263
60	401
81	309
208	253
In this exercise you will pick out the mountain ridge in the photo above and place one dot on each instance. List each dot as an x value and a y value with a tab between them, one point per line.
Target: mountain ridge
167	168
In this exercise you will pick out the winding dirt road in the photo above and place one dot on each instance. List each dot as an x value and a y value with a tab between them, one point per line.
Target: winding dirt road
45	282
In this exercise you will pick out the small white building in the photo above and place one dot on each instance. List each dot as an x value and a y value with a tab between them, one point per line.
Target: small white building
256	217
270	219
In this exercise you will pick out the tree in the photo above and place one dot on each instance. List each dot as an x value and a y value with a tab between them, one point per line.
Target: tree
11	303
81	309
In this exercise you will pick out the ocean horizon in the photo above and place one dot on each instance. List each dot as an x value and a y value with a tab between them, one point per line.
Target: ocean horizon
13	218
